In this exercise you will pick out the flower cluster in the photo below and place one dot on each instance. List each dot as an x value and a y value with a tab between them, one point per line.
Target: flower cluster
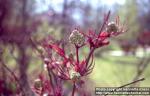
77	38
69	68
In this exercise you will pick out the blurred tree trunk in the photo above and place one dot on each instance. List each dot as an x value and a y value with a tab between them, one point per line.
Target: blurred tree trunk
23	66
2	72
64	23
3	10
23	56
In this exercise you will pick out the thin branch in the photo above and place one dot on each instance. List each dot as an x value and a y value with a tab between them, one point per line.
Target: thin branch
51	81
142	79
105	21
15	77
141	68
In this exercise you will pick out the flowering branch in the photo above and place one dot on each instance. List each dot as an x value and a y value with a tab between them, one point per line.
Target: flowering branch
68	68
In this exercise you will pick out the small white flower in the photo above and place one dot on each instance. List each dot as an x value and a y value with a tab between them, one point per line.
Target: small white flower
74	75
45	67
45	94
46	59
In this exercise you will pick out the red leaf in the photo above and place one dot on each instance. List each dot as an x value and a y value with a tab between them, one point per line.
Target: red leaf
92	33
57	49
77	68
104	34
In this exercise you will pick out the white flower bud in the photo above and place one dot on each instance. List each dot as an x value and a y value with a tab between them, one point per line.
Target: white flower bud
77	38
74	75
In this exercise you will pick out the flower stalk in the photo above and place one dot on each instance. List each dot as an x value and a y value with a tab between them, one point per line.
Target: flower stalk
77	54
74	88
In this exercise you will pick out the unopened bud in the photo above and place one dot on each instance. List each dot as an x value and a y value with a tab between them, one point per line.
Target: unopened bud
77	38
37	83
112	27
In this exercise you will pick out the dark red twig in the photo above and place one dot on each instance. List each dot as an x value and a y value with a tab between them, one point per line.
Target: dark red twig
74	88
142	79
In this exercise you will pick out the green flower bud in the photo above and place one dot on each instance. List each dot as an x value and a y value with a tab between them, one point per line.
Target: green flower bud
77	38
37	83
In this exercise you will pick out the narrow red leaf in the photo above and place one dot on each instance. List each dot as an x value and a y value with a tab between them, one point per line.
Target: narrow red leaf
104	34
57	49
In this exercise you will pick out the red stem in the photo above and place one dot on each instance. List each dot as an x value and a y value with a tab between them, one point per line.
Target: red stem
51	81
77	54
105	21
74	88
102	27
89	56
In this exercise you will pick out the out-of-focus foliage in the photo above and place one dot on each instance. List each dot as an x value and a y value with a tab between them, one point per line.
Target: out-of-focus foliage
129	14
